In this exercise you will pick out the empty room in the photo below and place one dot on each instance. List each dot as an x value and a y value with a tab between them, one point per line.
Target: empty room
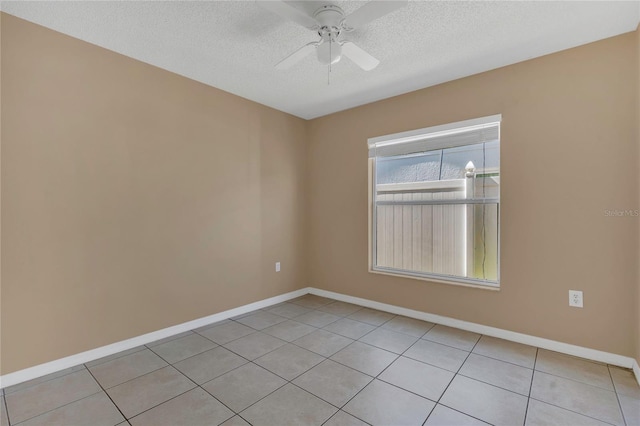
294	213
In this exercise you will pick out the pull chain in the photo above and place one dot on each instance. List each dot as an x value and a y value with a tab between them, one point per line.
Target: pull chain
329	69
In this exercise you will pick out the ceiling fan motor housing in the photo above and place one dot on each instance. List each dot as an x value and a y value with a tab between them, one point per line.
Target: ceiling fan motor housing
329	18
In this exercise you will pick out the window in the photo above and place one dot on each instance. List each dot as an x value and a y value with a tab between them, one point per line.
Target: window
435	203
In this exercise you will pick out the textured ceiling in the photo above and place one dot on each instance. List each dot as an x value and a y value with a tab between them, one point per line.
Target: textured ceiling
234	45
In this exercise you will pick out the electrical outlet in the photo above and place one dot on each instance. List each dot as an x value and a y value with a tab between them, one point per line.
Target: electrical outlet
575	298
277	266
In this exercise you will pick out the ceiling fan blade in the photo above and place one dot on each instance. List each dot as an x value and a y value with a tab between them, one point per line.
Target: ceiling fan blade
283	9
296	56
371	11
359	56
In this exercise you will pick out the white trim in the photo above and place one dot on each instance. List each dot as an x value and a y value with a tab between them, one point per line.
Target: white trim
81	358
430	185
437	278
93	354
434	131
579	351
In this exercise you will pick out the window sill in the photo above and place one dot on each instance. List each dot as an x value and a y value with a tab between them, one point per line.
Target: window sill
453	281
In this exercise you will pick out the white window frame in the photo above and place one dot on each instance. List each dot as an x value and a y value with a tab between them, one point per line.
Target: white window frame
414	136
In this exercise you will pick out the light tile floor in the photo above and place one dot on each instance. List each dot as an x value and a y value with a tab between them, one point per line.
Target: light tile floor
315	361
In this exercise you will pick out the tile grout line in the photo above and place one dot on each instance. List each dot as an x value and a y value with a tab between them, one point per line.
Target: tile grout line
266	353
53	409
292	343
401	354
286	342
108	396
324	358
336	413
315	328
495	359
157	405
198	387
384	369
38	383
451	381
455	347
173	397
381	326
133	378
366	334
248	422
232	340
355	369
116	405
454	373
332	416
6	408
575	412
113	357
212	396
564	378
373	325
502	360
326	331
526	411
286	380
184	359
319	397
553	374
143	347
624	418
259	366
577	381
165	366
254	403
170	339
529	397
487	383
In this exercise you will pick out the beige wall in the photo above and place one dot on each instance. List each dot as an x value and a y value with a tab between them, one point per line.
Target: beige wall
134	199
0	194
638	142
568	153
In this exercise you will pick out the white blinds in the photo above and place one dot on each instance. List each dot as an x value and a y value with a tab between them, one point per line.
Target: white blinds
469	132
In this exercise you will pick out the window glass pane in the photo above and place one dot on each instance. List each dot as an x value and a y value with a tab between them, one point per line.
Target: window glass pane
484	157
411	168
458	240
434	216
442	164
483	231
422	238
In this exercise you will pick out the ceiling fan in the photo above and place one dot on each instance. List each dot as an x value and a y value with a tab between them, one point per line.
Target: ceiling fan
330	21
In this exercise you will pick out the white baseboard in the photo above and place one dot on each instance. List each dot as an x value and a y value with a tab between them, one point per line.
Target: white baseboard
81	358
91	355
579	351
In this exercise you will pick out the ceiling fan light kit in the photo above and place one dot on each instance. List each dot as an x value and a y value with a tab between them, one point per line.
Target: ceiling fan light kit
329	53
329	21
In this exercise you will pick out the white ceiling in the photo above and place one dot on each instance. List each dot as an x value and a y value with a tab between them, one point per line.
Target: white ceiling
233	45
